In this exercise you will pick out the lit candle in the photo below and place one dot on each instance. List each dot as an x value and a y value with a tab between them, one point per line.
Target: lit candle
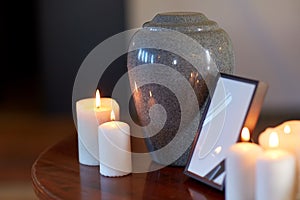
240	168
288	136
289	140
90	113
275	172
114	148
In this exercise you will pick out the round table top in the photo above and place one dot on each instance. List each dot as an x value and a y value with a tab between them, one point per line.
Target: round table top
57	174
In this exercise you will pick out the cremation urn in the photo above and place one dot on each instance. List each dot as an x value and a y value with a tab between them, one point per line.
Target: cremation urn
172	64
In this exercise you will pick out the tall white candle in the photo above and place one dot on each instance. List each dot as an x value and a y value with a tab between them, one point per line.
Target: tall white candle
240	169
114	149
89	116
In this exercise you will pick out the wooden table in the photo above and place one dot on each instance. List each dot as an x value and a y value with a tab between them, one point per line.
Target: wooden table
56	174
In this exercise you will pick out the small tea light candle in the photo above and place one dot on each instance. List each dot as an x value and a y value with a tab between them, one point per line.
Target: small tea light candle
275	173
90	113
114	148
240	168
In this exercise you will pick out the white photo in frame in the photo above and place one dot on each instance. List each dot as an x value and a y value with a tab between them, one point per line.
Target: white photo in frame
236	102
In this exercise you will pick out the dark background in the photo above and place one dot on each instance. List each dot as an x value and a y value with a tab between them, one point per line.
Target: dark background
43	43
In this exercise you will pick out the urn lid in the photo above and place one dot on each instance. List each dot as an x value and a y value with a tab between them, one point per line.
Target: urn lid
185	22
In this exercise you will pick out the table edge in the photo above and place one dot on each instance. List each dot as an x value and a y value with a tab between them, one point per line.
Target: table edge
40	191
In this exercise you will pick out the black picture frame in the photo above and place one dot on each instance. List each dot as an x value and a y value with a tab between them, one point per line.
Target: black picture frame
236	103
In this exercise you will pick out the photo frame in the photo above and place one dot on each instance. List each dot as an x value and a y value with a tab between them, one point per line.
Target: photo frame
236	103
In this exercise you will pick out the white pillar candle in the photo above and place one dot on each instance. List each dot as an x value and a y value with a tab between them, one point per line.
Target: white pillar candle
291	143
114	149
89	116
240	170
289	140
275	175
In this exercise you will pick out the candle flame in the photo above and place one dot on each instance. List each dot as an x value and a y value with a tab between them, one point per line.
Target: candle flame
245	136
150	93
192	74
98	100
287	129
112	116
273	140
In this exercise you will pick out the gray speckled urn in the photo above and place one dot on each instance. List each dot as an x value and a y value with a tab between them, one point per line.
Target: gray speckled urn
171	75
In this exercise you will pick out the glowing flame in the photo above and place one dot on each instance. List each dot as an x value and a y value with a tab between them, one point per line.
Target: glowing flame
287	129
192	74
112	116
245	136
98	100
273	140
150	93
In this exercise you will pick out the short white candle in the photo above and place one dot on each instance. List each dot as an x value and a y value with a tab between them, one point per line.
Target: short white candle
89	116
275	175
114	149
240	169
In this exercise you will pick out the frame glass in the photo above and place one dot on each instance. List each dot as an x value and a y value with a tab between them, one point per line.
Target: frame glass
236	103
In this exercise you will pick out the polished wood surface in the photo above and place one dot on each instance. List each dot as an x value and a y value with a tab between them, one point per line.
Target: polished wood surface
56	174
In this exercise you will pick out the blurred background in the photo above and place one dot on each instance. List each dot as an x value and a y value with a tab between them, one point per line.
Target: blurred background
43	43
